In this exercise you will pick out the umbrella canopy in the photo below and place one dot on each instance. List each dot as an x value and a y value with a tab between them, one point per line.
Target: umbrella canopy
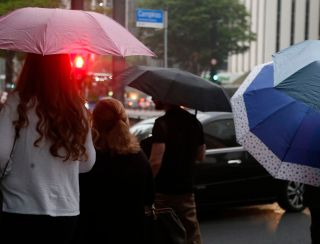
176	87
52	31
299	56
281	130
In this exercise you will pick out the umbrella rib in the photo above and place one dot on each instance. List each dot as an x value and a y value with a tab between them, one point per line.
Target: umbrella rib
294	136
136	78
45	31
88	13
44	38
271	115
261	89
276	111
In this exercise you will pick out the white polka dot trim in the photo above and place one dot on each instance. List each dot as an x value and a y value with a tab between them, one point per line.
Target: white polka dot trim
281	170
299	173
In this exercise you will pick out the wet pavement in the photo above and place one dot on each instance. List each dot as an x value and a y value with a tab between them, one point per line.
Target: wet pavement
264	224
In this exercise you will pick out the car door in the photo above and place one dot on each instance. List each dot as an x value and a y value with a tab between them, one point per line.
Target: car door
228	174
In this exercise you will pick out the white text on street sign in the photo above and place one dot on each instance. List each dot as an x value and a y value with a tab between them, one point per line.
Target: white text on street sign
149	18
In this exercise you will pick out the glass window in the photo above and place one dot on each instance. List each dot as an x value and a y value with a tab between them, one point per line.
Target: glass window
141	131
219	134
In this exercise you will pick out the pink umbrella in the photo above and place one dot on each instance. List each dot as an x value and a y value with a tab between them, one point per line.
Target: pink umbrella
51	31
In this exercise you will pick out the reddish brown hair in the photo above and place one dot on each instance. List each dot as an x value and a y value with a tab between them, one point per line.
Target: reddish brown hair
111	124
45	83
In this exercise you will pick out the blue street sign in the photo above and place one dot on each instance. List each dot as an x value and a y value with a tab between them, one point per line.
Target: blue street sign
149	18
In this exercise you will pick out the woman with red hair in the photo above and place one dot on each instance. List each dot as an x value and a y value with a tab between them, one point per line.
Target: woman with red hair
115	192
46	125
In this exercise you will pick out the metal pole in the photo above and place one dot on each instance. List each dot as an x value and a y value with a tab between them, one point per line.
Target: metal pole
118	63
165	58
77	4
126	14
9	69
119	14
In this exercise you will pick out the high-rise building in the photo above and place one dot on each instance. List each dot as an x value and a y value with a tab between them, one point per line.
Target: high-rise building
278	24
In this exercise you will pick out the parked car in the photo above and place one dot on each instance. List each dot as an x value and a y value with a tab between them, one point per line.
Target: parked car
229	175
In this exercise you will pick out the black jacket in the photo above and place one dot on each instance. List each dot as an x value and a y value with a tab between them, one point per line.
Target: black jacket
312	196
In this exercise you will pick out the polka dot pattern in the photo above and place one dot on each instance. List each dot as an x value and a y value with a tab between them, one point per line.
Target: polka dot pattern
240	120
299	173
277	168
263	155
238	105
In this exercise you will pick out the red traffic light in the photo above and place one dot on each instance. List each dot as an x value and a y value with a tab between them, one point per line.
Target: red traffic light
79	62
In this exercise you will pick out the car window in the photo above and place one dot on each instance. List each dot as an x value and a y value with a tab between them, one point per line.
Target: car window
219	134
141	131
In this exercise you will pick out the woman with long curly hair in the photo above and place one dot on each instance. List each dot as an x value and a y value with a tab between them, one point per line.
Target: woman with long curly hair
115	192
46	125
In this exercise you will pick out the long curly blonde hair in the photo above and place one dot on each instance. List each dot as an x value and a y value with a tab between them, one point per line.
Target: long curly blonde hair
45	83
111	126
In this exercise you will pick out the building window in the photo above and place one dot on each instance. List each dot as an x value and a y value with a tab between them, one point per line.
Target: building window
293	10
278	26
306	29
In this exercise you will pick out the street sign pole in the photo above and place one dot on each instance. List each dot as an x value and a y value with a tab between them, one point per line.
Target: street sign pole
118	63
165	51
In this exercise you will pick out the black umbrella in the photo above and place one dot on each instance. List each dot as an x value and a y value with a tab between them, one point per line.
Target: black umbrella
176	87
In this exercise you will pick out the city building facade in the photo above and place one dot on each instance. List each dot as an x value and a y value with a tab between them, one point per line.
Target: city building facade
278	24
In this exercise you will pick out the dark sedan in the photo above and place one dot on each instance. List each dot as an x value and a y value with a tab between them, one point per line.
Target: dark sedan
229	175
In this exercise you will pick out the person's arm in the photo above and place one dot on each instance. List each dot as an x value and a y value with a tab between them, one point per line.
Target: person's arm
86	165
201	152
157	152
7	131
158	146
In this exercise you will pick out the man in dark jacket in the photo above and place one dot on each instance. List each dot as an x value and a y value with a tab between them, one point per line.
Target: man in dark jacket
178	143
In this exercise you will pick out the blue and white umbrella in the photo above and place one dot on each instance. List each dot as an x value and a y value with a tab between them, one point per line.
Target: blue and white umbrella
279	122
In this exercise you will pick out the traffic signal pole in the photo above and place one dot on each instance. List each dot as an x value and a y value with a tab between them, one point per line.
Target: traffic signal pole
77	4
118	63
9	69
78	72
165	56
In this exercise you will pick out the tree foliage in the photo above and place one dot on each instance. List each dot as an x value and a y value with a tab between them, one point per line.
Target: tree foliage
10	5
200	30
7	6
